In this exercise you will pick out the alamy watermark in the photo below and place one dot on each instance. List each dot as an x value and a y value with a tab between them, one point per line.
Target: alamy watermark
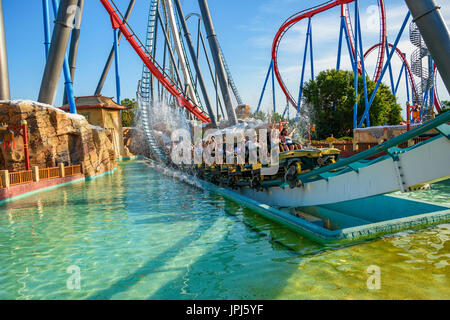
373	19
374	279
74	280
238	147
73	18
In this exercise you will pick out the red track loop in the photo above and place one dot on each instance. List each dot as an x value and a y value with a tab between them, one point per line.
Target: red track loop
309	14
401	56
148	61
383	35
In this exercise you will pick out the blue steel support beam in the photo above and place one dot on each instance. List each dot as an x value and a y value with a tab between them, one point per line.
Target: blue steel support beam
349	48
285	110
341	33
391	74
46	27
355	70
431	77
424	103
398	80
406	81
350	53
366	111
361	52
300	93
273	90
264	86
311	53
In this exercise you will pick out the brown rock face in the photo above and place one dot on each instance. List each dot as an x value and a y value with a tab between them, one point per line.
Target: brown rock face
243	111
55	137
135	142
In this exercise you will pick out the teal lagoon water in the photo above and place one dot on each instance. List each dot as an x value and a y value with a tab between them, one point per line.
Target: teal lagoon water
137	234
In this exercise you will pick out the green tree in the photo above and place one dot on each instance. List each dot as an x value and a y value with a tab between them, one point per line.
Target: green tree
445	106
259	115
276	117
330	99
128	116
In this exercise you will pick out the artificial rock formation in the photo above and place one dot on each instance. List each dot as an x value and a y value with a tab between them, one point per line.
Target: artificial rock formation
135	143
55	137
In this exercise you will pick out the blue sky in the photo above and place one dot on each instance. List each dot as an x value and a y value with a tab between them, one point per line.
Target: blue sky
245	30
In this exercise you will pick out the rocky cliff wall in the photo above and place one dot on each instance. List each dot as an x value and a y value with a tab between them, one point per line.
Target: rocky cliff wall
135	142
55	137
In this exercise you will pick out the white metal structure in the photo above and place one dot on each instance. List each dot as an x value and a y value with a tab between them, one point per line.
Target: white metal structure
382	177
180	52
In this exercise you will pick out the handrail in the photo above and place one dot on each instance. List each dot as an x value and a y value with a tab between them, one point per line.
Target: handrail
48	173
20	177
72	170
27	176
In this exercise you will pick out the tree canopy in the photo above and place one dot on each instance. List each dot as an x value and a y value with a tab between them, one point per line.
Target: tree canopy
128	116
445	106
330	99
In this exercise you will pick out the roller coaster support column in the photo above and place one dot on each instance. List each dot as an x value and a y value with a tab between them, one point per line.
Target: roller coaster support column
355	70
75	38
265	84
56	55
168	45
408	116
4	73
116	64
361	52
435	33
46	26
344	32
341	32
273	91
431	70
391	75
391	54
398	82
194	56
215	51
406	80
300	93
183	63
108	63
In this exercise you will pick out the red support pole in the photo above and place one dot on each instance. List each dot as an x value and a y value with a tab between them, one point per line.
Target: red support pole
25	144
309	133
408	117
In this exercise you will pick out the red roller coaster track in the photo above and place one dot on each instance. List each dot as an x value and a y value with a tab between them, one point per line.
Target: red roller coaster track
402	57
437	102
155	69
309	13
410	74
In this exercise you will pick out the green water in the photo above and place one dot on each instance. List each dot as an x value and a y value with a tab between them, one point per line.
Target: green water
139	235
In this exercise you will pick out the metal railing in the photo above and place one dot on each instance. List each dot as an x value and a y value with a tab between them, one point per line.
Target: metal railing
72	170
20	177
49	173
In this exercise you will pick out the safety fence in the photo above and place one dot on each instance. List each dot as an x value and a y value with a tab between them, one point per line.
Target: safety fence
20	177
49	173
72	170
8	179
362	146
